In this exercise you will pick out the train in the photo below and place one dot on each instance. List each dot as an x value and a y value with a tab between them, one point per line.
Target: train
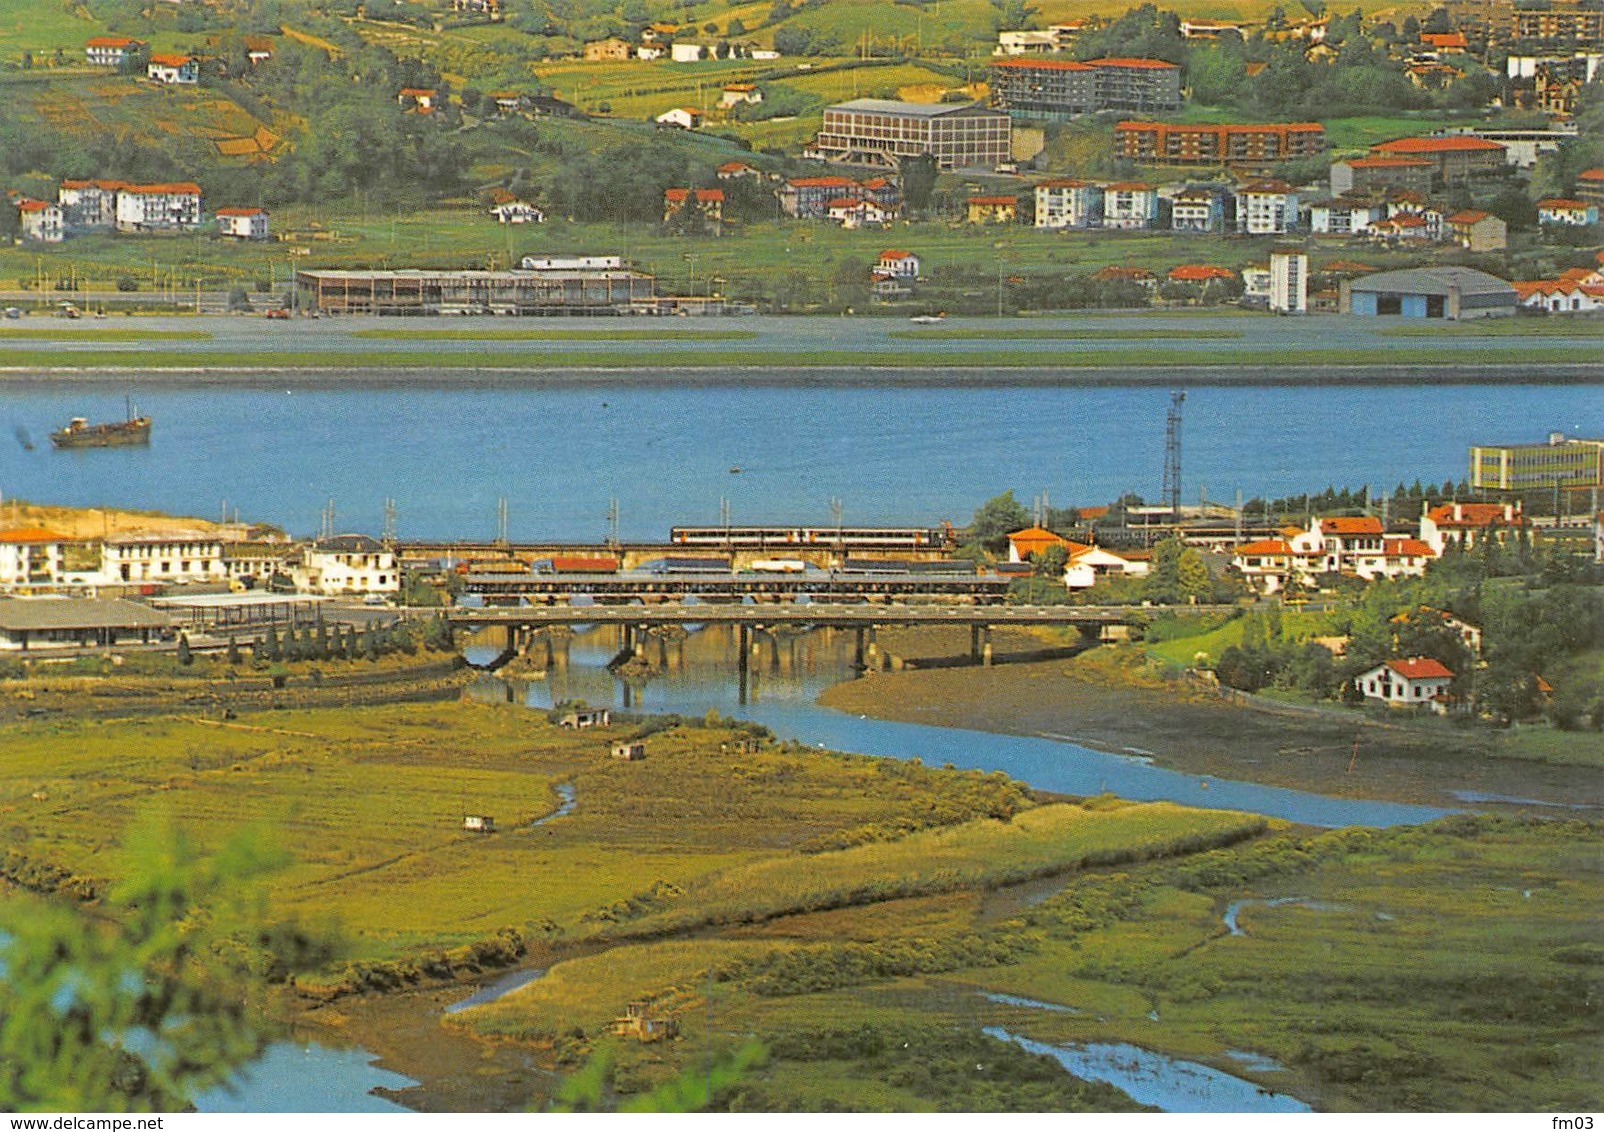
884	538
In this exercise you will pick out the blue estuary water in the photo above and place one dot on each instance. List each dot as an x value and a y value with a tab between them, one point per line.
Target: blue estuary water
560	453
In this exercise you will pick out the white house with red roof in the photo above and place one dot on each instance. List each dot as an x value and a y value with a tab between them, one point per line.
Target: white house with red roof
1357	546
30	559
1466	524
41	221
158	208
242	223
1266	564
111	50
1065	202
1130	205
898	264
420	99
734	170
736	94
1417	681
1087	565
1566	213
176	70
684	117
1266	208
850	212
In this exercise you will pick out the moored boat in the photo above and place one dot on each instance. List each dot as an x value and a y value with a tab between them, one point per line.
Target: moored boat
79	433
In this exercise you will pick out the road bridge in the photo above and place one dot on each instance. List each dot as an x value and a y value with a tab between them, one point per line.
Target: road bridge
713	586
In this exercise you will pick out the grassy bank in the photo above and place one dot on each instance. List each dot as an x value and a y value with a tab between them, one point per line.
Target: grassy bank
1275	366
34	333
559	335
1111	335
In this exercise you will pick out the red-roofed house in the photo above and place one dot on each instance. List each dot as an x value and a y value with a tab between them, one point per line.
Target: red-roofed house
1266	565
1067	203
111	50
243	223
735	94
40	221
1266	208
417	98
30	559
1089	564
182	70
1468	523
1417	681
1199	273
1130	205
732	170
808	198
685	117
898	264
1457	158
1444	40
1033	540
857	212
1360	174
1478	231
704	205
158	208
1566	212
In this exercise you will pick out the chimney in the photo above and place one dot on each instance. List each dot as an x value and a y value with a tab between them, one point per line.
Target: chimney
1459	513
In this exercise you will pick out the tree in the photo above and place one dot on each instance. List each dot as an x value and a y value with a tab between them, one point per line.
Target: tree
996	519
918	181
141	1009
1050	563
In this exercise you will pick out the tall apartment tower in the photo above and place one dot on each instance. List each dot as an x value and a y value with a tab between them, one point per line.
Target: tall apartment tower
1289	281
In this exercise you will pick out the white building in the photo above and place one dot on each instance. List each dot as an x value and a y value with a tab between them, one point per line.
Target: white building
88	205
158	208
517	212
30	559
1068	203
171	557
111	50
1466	524
41	221
1413	682
898	264
1130	205
181	70
1289	281
734	94
685	117
1088	564
243	223
686	53
346	564
1266	208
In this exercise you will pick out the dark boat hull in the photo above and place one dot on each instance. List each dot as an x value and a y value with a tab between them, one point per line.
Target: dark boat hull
103	435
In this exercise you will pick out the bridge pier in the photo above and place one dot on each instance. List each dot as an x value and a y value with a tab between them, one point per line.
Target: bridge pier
980	644
743	651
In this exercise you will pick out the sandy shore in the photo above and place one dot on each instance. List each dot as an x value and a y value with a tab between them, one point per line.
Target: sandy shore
1193	730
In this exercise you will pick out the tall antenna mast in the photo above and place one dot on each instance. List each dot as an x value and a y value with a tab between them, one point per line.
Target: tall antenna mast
501	521
1172	454
613	539
389	521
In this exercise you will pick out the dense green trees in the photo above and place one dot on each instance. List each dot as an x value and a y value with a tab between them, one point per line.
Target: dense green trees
139	1009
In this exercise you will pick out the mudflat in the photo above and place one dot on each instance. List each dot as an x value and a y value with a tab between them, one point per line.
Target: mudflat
1333	751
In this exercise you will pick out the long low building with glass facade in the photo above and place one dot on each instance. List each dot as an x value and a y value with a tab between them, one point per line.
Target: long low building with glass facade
581	291
879	132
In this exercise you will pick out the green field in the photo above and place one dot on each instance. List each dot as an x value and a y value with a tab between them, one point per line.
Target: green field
1393	970
977	334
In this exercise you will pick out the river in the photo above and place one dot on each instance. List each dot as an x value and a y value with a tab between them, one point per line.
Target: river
560	453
